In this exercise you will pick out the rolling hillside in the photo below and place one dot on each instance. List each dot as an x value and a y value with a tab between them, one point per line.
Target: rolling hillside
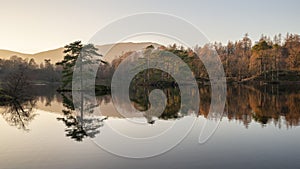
112	51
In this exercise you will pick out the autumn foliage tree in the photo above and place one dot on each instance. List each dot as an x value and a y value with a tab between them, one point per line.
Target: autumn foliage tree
292	45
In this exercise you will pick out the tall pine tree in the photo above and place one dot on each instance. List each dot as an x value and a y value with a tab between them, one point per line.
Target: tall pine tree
76	53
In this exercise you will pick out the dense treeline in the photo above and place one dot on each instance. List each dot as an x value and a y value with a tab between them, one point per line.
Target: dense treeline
243	59
45	72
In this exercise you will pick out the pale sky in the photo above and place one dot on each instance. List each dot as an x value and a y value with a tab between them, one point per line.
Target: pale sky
32	26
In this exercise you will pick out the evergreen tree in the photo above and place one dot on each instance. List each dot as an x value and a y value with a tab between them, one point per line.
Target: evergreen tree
76	53
72	52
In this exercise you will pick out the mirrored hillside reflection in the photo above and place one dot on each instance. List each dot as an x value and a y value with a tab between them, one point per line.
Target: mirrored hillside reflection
265	104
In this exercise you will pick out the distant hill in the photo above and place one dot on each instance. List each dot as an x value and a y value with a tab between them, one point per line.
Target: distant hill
116	50
113	51
55	55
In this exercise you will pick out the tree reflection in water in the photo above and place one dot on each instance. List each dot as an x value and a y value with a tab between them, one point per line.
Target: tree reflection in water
16	98
265	104
80	126
19	114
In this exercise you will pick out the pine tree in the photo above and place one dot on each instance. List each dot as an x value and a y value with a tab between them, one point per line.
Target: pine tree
76	54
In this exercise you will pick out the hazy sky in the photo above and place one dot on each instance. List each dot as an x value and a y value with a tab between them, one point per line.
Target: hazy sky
33	26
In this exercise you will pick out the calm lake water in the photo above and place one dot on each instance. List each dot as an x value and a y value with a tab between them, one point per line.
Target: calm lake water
259	129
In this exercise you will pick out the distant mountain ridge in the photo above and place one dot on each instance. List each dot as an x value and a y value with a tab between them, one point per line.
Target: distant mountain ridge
112	51
55	55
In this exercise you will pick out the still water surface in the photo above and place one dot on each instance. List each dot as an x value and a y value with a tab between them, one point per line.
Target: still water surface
259	129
